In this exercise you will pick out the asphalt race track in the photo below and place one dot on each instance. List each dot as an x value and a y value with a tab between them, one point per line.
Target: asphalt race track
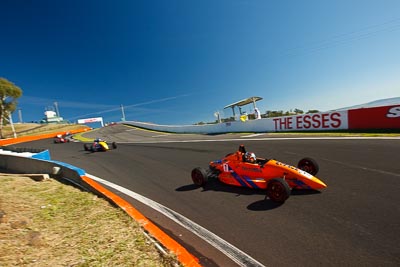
353	222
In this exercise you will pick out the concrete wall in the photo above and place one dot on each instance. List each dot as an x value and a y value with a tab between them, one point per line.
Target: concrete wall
307	122
38	161
373	118
14	163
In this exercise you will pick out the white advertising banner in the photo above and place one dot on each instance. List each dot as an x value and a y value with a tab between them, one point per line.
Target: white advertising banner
311	122
90	120
336	120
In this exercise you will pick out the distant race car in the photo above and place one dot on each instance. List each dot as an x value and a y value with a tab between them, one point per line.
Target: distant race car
99	145
62	138
245	170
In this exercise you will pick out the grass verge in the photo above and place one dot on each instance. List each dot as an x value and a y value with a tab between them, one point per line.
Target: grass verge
49	223
29	129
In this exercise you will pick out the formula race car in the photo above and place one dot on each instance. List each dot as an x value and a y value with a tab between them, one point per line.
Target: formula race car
62	138
244	169
99	145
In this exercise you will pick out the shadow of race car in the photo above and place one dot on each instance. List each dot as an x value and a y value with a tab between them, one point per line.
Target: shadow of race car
99	145
243	169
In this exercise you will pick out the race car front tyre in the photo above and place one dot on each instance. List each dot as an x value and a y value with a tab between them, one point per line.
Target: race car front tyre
86	147
114	145
278	190
199	176
308	165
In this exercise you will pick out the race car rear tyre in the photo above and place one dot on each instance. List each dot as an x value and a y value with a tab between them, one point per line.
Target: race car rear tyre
308	165
199	176
278	190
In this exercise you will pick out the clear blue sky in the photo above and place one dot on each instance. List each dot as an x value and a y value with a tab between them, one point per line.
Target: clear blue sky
179	61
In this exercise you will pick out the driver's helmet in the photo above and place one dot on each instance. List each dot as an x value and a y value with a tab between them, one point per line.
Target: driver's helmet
59	135
97	140
250	157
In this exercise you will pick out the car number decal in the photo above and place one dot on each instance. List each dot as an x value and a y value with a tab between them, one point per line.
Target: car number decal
226	167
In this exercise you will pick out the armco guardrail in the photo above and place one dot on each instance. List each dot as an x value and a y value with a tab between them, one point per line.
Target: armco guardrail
385	117
17	164
39	161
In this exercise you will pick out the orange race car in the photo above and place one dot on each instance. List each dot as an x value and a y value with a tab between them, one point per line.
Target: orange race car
246	170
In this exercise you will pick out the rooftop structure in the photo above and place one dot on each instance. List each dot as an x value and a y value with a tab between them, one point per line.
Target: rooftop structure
243	102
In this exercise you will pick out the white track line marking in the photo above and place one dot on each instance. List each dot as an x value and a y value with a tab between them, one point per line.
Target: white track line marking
353	166
261	139
160	135
362	167
252	135
238	256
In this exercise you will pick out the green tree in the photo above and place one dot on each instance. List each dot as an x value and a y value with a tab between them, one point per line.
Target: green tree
9	93
274	113
298	111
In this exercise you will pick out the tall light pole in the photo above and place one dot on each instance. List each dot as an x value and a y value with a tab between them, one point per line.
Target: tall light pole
56	105
12	124
20	115
123	113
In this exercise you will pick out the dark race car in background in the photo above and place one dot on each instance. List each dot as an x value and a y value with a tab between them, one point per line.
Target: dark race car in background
62	138
99	145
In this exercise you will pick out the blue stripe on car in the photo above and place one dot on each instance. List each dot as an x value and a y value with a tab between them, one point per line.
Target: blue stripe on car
243	180
300	183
